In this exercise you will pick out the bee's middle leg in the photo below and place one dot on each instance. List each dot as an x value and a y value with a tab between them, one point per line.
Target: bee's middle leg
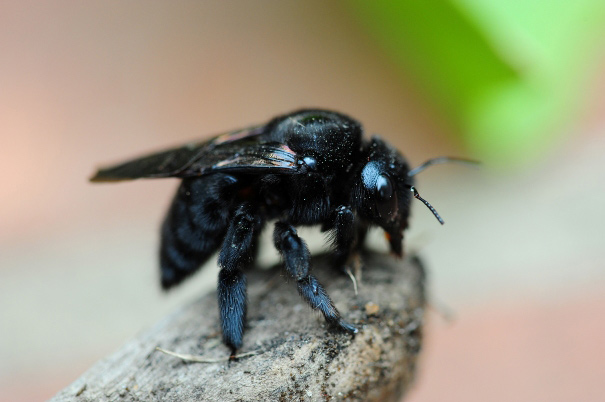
297	262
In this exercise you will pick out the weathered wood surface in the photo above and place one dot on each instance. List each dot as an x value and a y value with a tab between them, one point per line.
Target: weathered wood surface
298	358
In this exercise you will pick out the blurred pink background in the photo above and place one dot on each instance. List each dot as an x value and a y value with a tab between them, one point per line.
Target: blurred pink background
520	260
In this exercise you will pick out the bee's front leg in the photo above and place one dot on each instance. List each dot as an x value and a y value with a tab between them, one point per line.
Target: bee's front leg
343	232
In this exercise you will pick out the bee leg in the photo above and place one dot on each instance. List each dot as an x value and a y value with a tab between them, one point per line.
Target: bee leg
236	253
362	234
293	250
297	262
344	236
194	226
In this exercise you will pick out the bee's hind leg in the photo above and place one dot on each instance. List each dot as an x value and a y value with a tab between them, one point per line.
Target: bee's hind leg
236	254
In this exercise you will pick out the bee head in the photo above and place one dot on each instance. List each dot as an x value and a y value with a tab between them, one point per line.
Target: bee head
384	192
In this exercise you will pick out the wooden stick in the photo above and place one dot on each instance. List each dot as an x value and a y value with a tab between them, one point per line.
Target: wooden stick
289	353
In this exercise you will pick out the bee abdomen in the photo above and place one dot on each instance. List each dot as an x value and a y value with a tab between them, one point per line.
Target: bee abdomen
194	227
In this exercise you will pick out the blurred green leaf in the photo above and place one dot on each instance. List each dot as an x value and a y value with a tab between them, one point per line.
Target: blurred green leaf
509	73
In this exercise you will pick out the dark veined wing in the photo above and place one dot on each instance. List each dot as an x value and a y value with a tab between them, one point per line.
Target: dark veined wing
247	151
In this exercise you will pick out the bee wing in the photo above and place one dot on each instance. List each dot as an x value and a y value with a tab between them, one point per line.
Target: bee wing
247	150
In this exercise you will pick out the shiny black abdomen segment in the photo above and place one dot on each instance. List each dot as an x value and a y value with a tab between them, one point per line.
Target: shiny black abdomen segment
195	226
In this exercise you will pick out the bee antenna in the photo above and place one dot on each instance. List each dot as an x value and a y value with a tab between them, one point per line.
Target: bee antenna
441	160
428	205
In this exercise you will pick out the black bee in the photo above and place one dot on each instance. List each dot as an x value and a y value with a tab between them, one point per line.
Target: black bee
309	167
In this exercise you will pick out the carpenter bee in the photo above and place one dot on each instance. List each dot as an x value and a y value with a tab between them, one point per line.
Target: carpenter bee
309	167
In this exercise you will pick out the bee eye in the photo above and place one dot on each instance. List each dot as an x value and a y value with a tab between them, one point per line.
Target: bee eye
384	188
386	199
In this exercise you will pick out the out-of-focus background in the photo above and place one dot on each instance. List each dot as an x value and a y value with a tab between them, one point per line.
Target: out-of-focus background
517	84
